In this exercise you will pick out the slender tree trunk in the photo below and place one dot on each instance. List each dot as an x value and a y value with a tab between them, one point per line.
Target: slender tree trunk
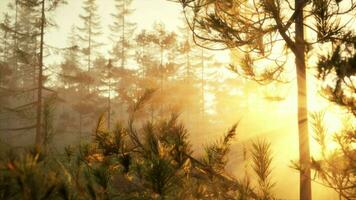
202	86
80	127
39	136
161	84
89	52
16	43
109	104
122	49
34	80
188	80
188	55
5	53
161	67
5	57
144	70
304	154
89	45
123	36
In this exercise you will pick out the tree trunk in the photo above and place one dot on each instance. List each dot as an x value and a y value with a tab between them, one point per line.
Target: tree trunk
202	86
39	136
123	37
80	127
109	104
89	45
304	155
16	43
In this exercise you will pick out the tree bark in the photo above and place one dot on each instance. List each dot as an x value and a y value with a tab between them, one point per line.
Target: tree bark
304	154
39	136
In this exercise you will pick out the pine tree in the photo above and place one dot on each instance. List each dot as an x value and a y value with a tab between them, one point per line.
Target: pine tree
186	48
108	81
90	31
40	138
24	59
157	68
196	59
252	28
142	53
73	90
29	45
40	8
70	87
335	168
161	70
122	31
71	65
5	69
146	62
5	39
339	66
164	42
88	34
5	54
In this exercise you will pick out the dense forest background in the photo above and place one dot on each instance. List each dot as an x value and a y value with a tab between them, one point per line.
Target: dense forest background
93	63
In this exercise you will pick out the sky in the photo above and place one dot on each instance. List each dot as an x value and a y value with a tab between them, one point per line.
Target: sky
283	135
147	12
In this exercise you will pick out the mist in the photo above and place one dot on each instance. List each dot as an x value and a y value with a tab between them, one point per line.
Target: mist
81	71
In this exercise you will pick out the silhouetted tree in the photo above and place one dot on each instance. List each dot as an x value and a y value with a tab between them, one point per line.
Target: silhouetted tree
158	70
335	167
257	29
338	71
28	33
122	32
5	69
90	30
22	63
195	60
72	87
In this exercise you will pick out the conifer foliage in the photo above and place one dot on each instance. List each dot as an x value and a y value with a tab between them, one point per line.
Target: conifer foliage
52	145
154	161
335	169
257	30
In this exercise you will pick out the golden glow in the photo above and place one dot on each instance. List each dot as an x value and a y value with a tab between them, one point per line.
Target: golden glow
274	120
